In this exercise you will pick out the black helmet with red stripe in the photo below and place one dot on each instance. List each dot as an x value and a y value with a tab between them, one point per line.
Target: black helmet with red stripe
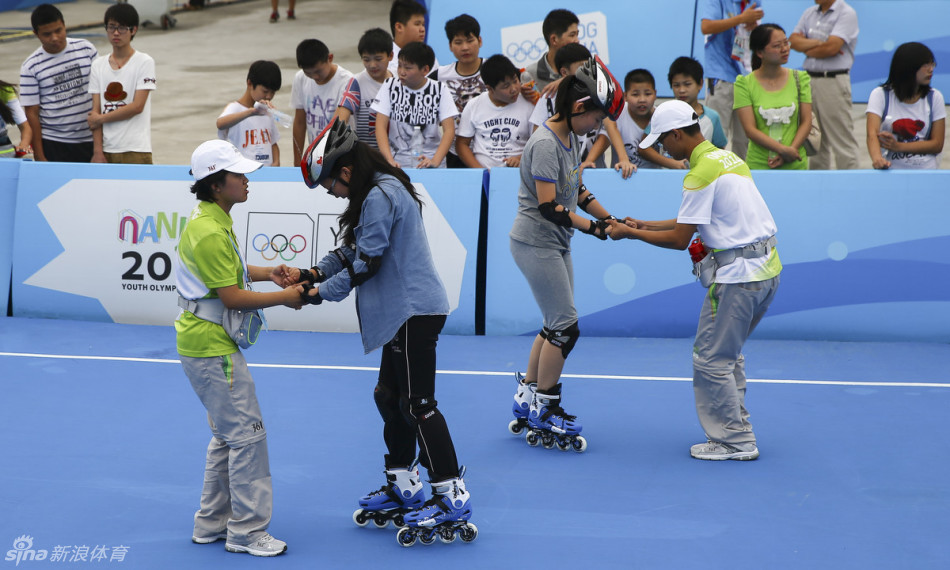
604	91
334	141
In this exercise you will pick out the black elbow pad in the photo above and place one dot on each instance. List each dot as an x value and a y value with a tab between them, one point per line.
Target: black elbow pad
549	213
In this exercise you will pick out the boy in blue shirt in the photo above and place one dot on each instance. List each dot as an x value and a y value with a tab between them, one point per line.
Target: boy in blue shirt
686	81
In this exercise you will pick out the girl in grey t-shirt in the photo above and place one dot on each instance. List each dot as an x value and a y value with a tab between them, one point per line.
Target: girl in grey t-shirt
550	192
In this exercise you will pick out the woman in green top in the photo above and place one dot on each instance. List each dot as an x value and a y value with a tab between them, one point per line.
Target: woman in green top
773	103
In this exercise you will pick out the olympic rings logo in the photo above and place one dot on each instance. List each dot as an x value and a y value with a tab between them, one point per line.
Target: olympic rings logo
526	50
280	245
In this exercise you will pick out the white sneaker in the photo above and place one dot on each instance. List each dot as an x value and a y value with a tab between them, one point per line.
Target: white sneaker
209	539
266	545
718	451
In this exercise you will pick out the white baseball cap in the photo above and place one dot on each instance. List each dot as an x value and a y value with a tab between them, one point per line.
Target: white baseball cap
670	115
217	155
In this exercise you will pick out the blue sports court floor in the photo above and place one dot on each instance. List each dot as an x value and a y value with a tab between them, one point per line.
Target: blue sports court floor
104	445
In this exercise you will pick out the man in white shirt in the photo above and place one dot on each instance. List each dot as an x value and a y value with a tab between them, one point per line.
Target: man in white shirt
827	34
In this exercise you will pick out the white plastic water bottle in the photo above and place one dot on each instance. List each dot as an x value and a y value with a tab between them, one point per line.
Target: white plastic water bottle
415	145
282	119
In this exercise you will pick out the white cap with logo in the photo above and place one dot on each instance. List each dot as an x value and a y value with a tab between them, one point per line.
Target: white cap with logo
670	115
217	155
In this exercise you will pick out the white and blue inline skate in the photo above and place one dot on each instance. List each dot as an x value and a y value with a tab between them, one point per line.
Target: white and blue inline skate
402	493
523	396
444	516
550	425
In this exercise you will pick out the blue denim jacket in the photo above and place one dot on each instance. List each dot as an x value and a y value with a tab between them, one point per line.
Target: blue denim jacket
406	283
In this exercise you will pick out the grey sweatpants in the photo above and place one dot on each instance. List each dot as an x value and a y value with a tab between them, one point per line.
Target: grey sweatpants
729	315
237	493
550	274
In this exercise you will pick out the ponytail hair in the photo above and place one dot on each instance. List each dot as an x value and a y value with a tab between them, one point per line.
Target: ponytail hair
569	92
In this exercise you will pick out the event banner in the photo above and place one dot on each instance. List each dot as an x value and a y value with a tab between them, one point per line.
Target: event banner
99	241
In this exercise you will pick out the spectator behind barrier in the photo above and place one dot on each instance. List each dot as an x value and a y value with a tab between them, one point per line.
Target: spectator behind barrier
774	104
906	117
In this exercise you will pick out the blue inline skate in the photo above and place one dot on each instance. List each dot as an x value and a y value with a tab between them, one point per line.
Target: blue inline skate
550	425
402	493
522	404
445	516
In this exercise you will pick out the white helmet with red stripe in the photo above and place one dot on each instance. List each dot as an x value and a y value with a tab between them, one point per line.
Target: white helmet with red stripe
317	163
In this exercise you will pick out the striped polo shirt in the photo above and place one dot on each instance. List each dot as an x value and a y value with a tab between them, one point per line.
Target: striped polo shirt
59	84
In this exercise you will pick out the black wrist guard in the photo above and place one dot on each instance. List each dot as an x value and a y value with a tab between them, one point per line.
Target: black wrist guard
308	275
609	217
598	229
309	299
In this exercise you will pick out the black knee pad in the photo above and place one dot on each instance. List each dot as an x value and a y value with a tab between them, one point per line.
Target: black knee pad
420	409
387	402
564	339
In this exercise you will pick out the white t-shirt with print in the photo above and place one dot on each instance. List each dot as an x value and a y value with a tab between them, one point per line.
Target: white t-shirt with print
254	136
116	88
319	101
632	134
365	117
407	108
909	123
496	132
464	88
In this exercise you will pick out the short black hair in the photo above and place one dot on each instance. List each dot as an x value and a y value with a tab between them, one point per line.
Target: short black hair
498	68
375	40
45	14
557	22
693	129
122	14
418	53
402	11
312	52
639	76
266	73
204	189
463	25
570	54
687	66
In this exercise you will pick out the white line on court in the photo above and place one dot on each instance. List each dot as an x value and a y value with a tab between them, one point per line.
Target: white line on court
492	373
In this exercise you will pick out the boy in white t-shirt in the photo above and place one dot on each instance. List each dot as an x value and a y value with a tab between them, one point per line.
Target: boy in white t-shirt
407	22
247	123
318	90
409	111
462	76
120	84
494	128
639	93
375	49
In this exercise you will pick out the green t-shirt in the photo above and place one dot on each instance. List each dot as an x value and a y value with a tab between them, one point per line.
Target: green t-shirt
207	260
776	114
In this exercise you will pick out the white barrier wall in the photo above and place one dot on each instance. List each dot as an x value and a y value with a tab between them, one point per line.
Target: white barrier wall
98	242
864	251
